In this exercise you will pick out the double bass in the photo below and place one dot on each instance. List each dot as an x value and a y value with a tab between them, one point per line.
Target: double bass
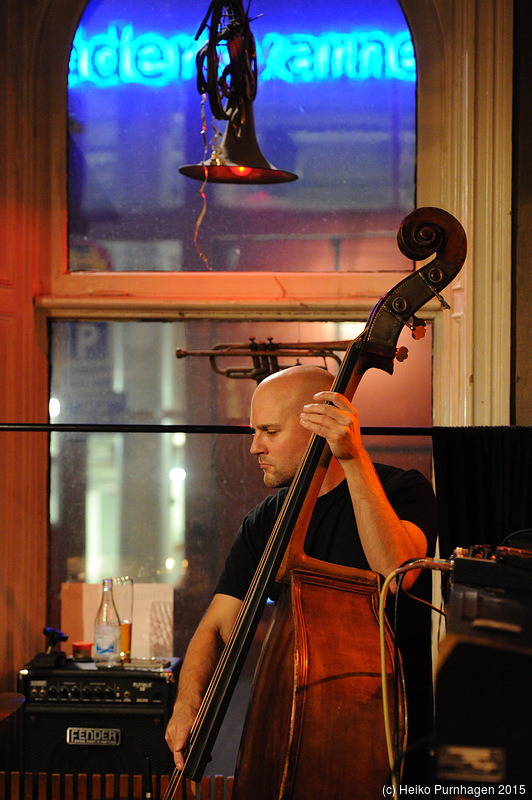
314	728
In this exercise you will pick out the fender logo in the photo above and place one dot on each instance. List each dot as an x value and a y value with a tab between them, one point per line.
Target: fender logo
100	736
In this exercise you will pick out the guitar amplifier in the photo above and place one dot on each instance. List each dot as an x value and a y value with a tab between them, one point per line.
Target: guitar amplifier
483	689
95	721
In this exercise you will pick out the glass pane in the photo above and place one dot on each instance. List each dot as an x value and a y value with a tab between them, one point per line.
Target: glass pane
335	104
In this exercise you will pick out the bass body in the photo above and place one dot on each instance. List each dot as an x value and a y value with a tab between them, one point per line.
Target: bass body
314	728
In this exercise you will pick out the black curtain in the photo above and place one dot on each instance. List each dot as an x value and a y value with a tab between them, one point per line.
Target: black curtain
483	480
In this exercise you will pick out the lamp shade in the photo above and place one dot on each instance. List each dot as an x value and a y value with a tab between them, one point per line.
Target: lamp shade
239	159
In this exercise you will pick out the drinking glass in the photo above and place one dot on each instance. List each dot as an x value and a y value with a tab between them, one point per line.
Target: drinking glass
123	596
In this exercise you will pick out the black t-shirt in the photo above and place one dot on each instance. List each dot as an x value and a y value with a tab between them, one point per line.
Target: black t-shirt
332	536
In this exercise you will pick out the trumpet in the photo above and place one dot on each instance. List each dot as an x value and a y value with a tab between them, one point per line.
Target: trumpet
265	356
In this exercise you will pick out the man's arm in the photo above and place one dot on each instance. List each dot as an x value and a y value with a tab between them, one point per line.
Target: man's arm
197	669
387	540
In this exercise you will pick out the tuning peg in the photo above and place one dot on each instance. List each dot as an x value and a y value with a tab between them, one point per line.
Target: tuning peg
418	327
401	354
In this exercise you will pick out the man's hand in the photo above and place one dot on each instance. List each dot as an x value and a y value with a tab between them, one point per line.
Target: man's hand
337	423
178	730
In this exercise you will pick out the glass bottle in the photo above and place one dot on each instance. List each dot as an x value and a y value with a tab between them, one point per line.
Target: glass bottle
107	629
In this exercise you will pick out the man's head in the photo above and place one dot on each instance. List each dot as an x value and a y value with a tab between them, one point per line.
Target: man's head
279	440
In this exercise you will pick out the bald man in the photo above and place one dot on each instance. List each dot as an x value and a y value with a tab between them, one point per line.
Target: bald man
367	515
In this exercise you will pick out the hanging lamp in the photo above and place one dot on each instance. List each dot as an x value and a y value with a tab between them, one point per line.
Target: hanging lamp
231	92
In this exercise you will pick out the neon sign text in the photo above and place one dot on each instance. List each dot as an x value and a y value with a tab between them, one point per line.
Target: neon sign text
120	57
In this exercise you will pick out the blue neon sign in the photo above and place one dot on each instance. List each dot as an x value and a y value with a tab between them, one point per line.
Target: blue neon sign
119	56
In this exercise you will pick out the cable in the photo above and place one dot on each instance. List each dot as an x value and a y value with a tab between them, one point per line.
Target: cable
522	532
399	677
421	563
426	603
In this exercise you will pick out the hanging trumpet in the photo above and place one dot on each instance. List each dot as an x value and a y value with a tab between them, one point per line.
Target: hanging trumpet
265	356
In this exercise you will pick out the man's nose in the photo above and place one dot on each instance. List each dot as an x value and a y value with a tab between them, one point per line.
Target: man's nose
256	445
